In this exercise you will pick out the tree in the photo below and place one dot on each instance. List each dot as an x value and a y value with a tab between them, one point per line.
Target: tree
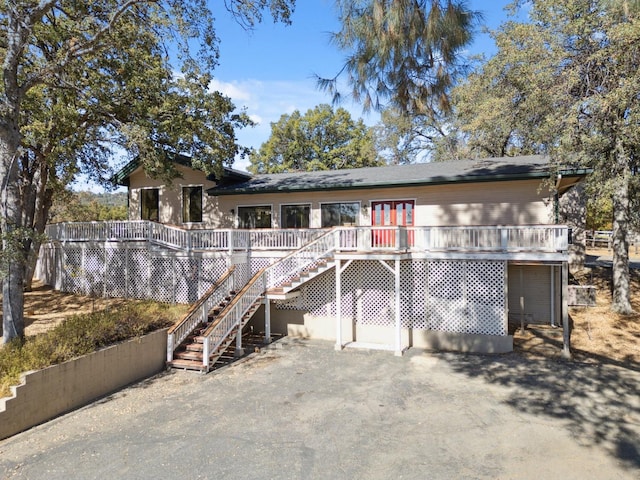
406	52
79	77
321	139
567	83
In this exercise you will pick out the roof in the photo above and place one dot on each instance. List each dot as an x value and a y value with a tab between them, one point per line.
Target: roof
121	177
461	171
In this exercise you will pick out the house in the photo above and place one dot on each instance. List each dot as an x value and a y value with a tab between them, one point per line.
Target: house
436	255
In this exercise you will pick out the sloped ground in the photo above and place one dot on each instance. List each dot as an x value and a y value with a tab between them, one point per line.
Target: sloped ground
598	335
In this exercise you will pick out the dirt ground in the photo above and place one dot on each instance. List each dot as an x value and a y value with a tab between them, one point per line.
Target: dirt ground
45	308
598	335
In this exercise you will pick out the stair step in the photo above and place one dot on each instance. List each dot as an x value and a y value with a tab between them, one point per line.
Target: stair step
187	364
188	355
194	347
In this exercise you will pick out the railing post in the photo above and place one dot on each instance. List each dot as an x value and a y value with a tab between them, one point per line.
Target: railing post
170	341
504	239
230	240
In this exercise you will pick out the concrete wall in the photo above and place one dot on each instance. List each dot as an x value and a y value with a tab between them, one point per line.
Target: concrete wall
48	393
301	324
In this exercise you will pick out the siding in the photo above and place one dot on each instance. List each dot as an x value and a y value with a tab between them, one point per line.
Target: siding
536	290
487	203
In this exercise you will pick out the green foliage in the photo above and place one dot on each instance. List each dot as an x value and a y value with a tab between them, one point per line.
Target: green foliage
82	334
321	139
88	206
566	83
80	79
405	51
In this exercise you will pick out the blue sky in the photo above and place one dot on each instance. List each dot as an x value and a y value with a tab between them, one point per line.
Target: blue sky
270	71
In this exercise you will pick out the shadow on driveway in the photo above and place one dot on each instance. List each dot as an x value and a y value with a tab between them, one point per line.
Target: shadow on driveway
600	403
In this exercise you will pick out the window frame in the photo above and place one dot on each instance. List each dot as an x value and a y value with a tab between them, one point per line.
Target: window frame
143	192
262	205
283	217
341	224
183	206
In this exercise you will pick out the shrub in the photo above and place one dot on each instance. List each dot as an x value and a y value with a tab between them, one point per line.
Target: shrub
81	334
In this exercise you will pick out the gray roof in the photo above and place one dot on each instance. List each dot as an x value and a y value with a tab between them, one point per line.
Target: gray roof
479	170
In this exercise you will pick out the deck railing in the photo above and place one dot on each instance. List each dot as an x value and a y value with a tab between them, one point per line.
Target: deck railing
218	332
541	238
544	238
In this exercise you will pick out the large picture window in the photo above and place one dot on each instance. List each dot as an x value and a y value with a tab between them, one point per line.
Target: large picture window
339	214
254	217
191	204
150	204
295	216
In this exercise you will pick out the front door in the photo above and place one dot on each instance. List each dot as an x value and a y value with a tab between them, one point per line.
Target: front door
391	213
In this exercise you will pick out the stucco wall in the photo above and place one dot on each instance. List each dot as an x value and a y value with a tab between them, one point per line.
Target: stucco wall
171	196
45	394
488	203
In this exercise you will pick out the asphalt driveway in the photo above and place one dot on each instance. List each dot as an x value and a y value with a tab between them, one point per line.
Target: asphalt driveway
301	410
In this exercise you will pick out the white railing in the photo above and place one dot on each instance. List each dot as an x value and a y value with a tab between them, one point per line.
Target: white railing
232	317
179	238
302	258
199	312
545	238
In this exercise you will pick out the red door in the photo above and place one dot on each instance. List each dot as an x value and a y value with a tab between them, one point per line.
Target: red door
391	213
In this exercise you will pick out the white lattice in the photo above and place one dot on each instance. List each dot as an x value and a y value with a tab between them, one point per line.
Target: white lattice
138	264
116	273
94	265
210	271
258	263
413	291
466	297
161	282
316	296
186	274
73	281
486	298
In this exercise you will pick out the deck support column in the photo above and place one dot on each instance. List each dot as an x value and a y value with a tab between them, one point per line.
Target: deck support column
338	309
267	320
566	327
398	342
239	350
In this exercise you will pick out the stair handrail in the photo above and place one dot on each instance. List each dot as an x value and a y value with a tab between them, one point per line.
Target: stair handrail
302	258
199	311
231	316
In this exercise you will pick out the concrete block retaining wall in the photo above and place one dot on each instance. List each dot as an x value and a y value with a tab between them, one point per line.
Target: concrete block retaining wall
48	393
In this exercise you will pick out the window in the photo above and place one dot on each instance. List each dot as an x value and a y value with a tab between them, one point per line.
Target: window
339	214
294	216
254	217
191	204
150	204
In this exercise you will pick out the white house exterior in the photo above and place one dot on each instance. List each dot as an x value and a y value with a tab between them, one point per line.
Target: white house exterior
438	255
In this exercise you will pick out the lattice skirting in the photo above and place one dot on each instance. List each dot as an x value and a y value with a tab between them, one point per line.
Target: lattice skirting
450	296
132	272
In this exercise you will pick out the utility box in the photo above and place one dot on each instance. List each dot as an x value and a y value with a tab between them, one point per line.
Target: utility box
582	296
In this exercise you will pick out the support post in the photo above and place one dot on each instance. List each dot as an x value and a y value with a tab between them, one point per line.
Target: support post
398	346
338	309
521	300
267	320
553	295
566	327
239	350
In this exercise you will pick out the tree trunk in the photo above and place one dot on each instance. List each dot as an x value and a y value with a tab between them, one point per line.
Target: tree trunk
621	302
10	225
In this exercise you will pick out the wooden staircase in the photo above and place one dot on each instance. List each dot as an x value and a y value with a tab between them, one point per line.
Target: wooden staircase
189	354
318	267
